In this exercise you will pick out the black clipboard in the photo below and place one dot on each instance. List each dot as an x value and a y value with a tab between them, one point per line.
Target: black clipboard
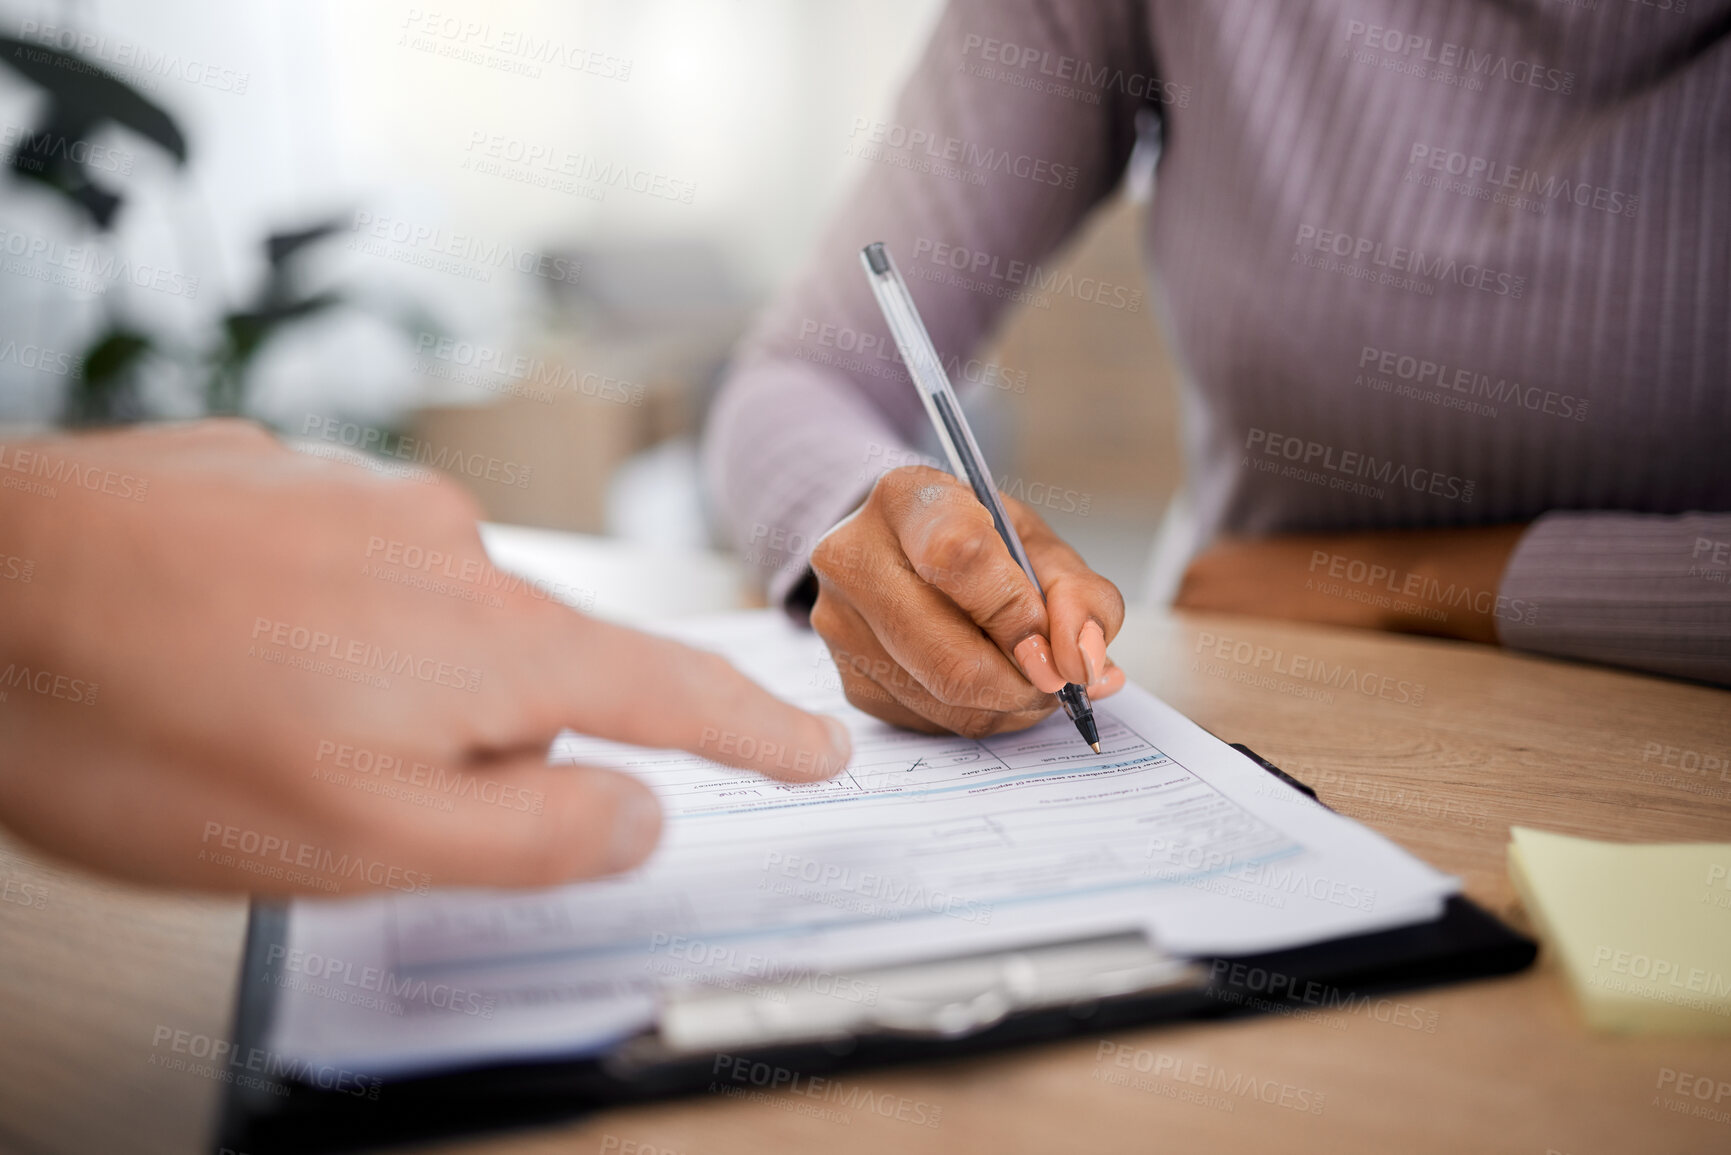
263	1114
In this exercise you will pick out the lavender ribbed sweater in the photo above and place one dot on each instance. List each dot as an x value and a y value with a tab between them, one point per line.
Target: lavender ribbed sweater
1438	263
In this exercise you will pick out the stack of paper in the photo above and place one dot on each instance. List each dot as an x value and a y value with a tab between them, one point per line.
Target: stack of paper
924	847
1643	932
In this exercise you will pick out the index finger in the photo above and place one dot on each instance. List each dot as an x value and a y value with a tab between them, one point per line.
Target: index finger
613	682
1084	610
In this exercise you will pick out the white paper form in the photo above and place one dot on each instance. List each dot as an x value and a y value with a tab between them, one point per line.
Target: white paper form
923	847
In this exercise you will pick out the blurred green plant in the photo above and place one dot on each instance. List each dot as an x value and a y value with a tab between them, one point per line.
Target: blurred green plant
280	303
83	98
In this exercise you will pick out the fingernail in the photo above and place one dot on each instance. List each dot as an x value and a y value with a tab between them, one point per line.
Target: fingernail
636	826
1035	657
1092	639
1108	685
840	743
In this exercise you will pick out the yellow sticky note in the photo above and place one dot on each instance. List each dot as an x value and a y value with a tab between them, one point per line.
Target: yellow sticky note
1643	932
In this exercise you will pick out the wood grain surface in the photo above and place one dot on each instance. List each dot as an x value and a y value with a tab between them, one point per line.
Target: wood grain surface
1442	746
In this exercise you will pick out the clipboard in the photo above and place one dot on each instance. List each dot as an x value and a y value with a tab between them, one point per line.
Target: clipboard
724	1042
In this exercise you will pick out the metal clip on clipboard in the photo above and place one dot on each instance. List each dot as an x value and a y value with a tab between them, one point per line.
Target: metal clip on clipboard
942	998
945	998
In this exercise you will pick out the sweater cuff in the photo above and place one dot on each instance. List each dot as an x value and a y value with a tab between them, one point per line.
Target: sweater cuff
791	452
1645	591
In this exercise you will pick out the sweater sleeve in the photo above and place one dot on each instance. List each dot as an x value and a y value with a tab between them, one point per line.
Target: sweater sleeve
1647	591
1017	120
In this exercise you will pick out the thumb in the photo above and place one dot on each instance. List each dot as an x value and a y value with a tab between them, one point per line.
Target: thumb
520	822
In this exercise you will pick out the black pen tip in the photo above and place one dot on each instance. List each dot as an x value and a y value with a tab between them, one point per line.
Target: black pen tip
1082	713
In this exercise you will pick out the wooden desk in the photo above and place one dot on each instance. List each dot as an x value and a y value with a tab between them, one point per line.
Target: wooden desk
88	978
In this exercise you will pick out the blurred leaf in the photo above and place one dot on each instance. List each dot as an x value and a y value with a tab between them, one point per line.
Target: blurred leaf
105	392
44	156
278	304
248	330
82	97
86	94
246	334
281	246
114	355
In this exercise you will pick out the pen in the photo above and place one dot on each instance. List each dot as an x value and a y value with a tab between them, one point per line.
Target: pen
958	441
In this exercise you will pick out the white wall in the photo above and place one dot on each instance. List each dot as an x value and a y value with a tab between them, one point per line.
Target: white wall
301	108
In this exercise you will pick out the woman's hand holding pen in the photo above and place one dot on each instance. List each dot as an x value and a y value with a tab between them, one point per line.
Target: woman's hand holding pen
271	672
934	626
